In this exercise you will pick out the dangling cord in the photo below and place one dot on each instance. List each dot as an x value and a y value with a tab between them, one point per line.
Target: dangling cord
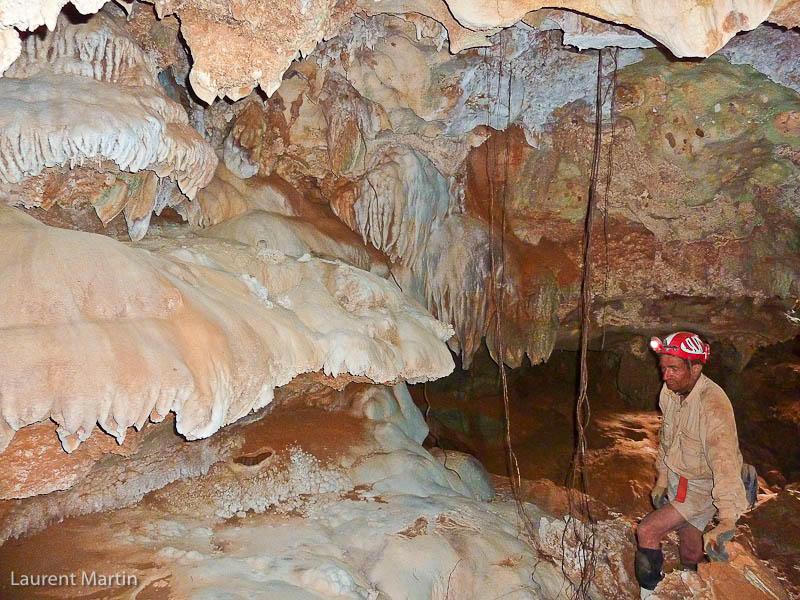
583	532
611	89
497	267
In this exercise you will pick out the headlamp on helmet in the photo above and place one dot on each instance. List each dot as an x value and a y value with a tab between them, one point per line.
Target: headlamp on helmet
683	344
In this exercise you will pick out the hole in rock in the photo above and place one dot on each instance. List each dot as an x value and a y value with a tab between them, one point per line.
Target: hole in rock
250	460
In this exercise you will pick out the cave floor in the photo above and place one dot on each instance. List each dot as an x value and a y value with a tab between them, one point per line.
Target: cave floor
177	545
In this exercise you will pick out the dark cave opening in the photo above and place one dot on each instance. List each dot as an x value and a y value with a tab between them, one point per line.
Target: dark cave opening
465	413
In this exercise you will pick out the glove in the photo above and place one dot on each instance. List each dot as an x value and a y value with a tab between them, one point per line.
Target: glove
659	495
714	540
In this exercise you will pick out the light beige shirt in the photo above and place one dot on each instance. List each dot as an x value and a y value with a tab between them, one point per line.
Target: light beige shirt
698	441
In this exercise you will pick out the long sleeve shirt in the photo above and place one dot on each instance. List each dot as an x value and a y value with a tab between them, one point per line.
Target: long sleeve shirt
698	441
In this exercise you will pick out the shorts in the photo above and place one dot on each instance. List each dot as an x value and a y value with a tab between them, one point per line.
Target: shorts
698	507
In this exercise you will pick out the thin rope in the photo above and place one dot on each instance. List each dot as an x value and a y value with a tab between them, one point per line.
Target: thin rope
498	287
580	522
612	87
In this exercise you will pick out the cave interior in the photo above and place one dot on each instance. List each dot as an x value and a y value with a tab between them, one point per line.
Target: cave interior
352	298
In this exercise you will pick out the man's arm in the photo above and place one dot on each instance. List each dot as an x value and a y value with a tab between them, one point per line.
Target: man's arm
721	446
661	466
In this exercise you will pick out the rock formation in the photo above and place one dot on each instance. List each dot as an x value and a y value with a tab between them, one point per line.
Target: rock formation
86	93
187	325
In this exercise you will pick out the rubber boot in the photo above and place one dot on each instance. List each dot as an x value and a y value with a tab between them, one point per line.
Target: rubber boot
647	566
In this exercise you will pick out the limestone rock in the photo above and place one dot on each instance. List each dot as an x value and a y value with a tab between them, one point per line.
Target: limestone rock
687	30
670	180
770	51
30	15
786	13
142	130
584	32
339	513
422	13
256	139
35	463
227	63
228	195
98	480
265	232
10	47
469	469
399	202
741	577
200	327
774	525
87	95
99	49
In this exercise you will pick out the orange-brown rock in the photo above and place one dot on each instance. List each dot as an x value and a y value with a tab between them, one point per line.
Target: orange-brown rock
35	463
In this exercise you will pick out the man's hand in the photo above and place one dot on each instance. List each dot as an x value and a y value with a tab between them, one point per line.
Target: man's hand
714	540
659	495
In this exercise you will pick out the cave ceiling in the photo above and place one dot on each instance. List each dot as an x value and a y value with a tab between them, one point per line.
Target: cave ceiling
227	62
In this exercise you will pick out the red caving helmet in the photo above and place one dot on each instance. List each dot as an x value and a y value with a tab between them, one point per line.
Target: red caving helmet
684	344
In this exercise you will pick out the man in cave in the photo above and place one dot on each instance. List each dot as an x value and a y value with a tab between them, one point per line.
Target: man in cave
699	463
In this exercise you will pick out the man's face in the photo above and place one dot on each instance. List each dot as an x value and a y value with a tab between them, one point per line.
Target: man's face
678	376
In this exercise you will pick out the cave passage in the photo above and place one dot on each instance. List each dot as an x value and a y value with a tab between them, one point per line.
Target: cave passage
266	266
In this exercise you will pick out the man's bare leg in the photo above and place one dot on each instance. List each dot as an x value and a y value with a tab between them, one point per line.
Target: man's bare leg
657	524
651	530
691	548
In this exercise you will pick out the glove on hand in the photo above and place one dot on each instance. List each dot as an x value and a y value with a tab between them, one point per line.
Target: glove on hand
714	540
659	495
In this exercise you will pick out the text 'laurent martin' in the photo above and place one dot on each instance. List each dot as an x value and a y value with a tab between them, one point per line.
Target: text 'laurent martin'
82	578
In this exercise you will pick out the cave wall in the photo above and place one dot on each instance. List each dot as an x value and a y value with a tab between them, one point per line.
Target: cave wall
383	129
688	227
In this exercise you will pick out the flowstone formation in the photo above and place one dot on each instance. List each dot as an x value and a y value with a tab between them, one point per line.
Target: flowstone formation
86	94
187	326
467	177
228	63
299	510
321	516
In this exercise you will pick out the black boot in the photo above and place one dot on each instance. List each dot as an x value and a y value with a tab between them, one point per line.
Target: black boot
647	566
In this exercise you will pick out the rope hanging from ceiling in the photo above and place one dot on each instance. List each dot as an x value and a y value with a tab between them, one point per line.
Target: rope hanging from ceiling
580	523
580	526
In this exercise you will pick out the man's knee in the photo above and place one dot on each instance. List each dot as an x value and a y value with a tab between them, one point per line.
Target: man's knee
691	555
656	525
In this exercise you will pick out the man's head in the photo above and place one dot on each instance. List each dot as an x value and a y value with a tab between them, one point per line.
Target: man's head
680	374
681	359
